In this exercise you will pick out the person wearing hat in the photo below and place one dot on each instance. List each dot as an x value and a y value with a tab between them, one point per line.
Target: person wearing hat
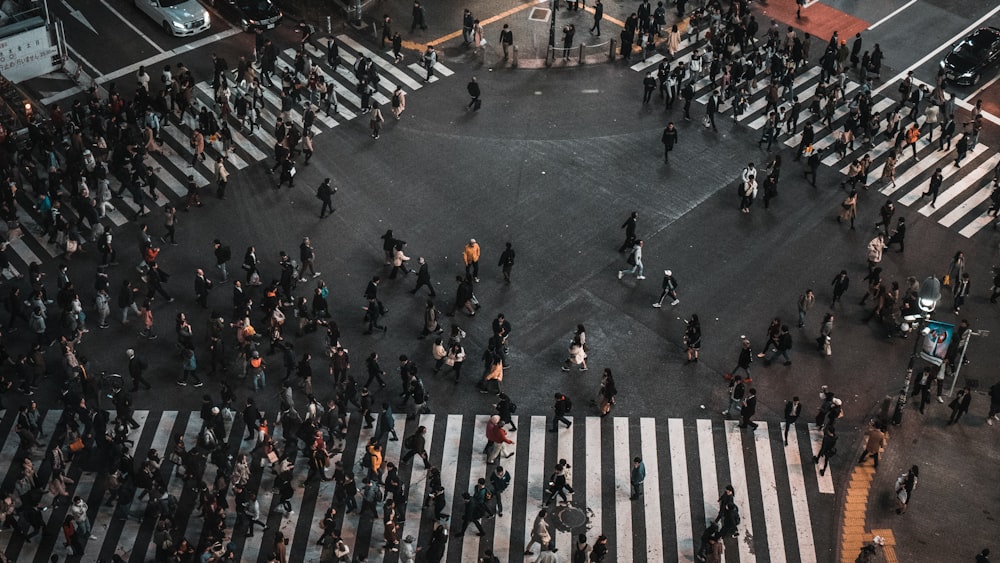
669	287
136	366
471	256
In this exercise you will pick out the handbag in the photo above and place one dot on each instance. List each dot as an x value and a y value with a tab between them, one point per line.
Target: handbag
946	280
76	445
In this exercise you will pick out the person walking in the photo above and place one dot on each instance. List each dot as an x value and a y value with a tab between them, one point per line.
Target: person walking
325	193
499	481
994	412
905	485
598	16
221	177
416	445
806	302
376	121
960	405
749	409
849	208
782	347
934	187
223	254
636	477
635	260
898	235
960	292
470	255
506	40
561	407
423	277
540	535
577	350
629	226
745	358
669	139
669	287
506	262
202	286
648	87
737	389
874	444
429	60
474	91
398	102
828	448
136	367
793	409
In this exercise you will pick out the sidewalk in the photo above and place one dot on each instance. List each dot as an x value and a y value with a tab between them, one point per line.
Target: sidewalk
952	513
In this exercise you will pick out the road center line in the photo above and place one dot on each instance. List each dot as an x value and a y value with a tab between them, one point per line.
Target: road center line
892	81
132	27
891	15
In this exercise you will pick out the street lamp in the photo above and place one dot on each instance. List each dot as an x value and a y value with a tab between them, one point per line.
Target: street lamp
928	298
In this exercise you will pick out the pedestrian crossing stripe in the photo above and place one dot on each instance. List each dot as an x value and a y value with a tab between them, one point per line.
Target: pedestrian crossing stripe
967	195
687	464
172	166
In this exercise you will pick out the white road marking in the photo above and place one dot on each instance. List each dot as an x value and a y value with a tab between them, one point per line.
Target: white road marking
623	490
769	494
738	479
892	14
800	500
683	526
132	27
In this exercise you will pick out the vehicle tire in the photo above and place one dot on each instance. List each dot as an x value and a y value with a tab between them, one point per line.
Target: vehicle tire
975	79
166	28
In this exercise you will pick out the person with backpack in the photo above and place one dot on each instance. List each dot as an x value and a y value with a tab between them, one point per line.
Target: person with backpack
506	408
562	407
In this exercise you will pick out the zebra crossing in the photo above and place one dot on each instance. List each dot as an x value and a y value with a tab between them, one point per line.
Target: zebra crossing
171	166
964	198
688	463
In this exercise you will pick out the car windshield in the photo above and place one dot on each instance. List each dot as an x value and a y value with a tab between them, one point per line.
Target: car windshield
257	5
171	3
975	47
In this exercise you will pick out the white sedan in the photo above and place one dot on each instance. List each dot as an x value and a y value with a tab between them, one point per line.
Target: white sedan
177	17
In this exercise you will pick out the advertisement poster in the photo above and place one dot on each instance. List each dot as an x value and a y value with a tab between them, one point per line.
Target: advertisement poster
27	55
934	346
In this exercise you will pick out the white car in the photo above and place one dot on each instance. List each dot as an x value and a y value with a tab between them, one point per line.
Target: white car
180	18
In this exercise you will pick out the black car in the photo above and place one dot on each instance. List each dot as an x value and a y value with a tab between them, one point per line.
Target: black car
250	14
973	57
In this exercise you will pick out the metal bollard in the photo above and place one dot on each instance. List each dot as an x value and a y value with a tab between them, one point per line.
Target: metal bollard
611	53
549	54
581	52
514	63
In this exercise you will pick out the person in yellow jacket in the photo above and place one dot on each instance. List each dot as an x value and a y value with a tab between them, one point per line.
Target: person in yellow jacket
471	256
374	450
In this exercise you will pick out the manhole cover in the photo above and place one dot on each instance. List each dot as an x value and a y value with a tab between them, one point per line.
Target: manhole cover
539	14
568	517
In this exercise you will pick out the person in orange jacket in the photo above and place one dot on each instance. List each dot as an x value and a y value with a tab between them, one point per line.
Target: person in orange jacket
471	257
